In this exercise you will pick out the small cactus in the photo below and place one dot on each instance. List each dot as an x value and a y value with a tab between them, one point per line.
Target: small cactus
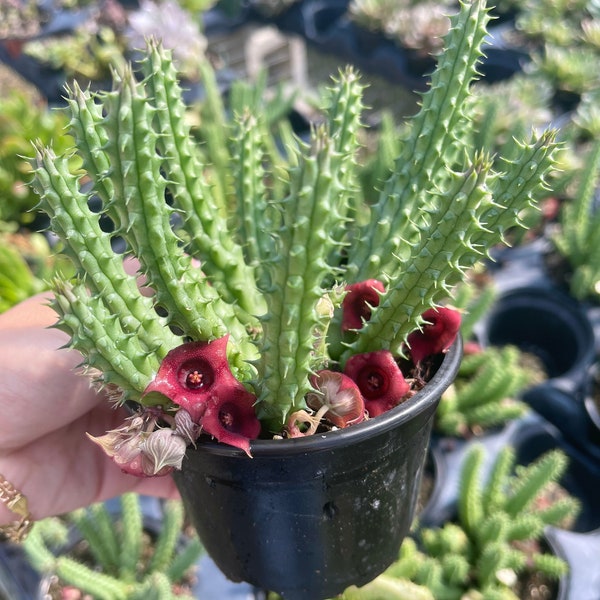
127	562
494	540
257	248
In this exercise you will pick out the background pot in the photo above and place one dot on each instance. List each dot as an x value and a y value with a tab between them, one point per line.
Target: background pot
309	517
548	324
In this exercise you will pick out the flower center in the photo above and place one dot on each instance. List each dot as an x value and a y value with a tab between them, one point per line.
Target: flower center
194	379
226	418
374	383
196	375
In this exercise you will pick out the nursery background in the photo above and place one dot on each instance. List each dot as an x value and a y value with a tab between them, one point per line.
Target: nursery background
509	500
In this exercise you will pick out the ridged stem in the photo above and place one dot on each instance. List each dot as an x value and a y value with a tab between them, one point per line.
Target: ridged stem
430	266
131	536
437	139
203	217
287	354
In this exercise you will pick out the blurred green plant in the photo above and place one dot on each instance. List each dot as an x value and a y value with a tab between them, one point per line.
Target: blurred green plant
419	25
21	123
26	265
86	54
564	41
577	238
485	392
495	542
125	561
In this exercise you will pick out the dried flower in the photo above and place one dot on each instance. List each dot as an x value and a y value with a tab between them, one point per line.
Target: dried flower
165	449
140	449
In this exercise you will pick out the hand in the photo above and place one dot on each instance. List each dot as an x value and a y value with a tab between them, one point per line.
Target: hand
47	407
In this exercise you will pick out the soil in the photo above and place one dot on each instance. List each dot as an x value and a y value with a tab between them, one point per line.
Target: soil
536	587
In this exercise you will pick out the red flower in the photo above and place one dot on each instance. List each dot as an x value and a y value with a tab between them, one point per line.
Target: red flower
340	395
230	418
197	377
437	334
192	373
360	298
379	379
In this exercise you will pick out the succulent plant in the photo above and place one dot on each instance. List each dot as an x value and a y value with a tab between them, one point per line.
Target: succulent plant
21	122
245	291
412	24
576	237
495	539
122	557
485	392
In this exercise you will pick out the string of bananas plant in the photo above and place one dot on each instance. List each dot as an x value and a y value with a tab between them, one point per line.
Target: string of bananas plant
294	302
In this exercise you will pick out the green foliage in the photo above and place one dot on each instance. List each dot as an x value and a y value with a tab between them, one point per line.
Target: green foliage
563	35
22	122
87	53
274	232
578	237
120	566
415	24
497	535
485	392
474	297
26	266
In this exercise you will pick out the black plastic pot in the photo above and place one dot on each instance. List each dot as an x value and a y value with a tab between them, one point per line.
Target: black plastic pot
581	552
548	324
309	517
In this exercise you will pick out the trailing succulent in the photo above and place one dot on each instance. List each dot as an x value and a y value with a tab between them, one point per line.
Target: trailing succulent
286	297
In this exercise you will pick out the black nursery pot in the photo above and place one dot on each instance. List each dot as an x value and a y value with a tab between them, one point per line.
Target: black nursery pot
550	325
308	517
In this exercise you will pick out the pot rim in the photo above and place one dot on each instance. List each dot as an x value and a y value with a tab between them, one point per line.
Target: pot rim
423	400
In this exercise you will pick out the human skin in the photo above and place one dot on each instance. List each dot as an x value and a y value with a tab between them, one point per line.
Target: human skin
46	408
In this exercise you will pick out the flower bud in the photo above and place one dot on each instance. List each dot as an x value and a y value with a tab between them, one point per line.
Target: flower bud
340	395
165	449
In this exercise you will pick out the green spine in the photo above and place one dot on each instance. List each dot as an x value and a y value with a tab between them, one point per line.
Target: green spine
143	220
164	549
205	221
90	250
252	207
470	508
533	478
430	266
436	139
131	536
98	334
102	587
299	270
